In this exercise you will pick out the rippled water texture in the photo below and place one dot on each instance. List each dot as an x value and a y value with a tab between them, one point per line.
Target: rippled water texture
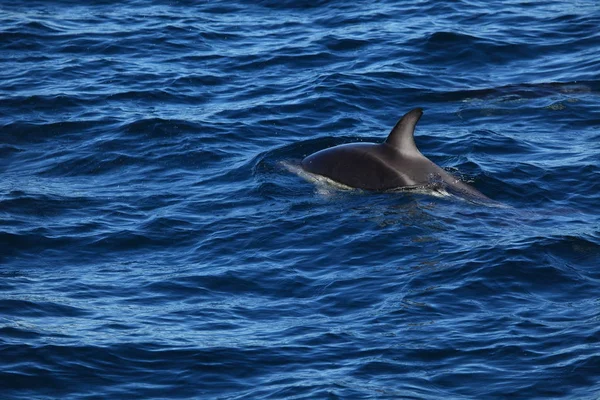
153	243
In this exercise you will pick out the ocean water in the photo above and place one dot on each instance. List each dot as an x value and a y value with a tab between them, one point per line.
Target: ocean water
153	243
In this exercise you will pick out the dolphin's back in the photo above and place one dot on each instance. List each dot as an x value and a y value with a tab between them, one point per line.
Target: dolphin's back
360	165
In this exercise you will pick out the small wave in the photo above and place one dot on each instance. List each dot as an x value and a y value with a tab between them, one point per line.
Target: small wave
39	309
461	49
336	44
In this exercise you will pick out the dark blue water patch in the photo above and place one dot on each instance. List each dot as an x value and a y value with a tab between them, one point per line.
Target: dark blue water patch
153	243
15	333
89	361
38	309
463	49
42	103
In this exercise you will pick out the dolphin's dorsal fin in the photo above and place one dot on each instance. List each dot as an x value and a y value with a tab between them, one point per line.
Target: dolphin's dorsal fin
402	136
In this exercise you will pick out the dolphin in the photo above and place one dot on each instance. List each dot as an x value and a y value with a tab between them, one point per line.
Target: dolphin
395	164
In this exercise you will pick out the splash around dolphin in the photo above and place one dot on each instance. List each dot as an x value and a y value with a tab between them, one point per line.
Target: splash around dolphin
395	164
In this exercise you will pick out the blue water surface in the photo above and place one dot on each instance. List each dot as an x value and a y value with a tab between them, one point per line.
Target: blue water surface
155	243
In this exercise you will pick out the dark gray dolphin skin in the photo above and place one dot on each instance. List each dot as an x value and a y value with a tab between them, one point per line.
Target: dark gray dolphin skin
393	164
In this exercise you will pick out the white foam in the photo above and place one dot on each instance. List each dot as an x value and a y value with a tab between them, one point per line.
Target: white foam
324	186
